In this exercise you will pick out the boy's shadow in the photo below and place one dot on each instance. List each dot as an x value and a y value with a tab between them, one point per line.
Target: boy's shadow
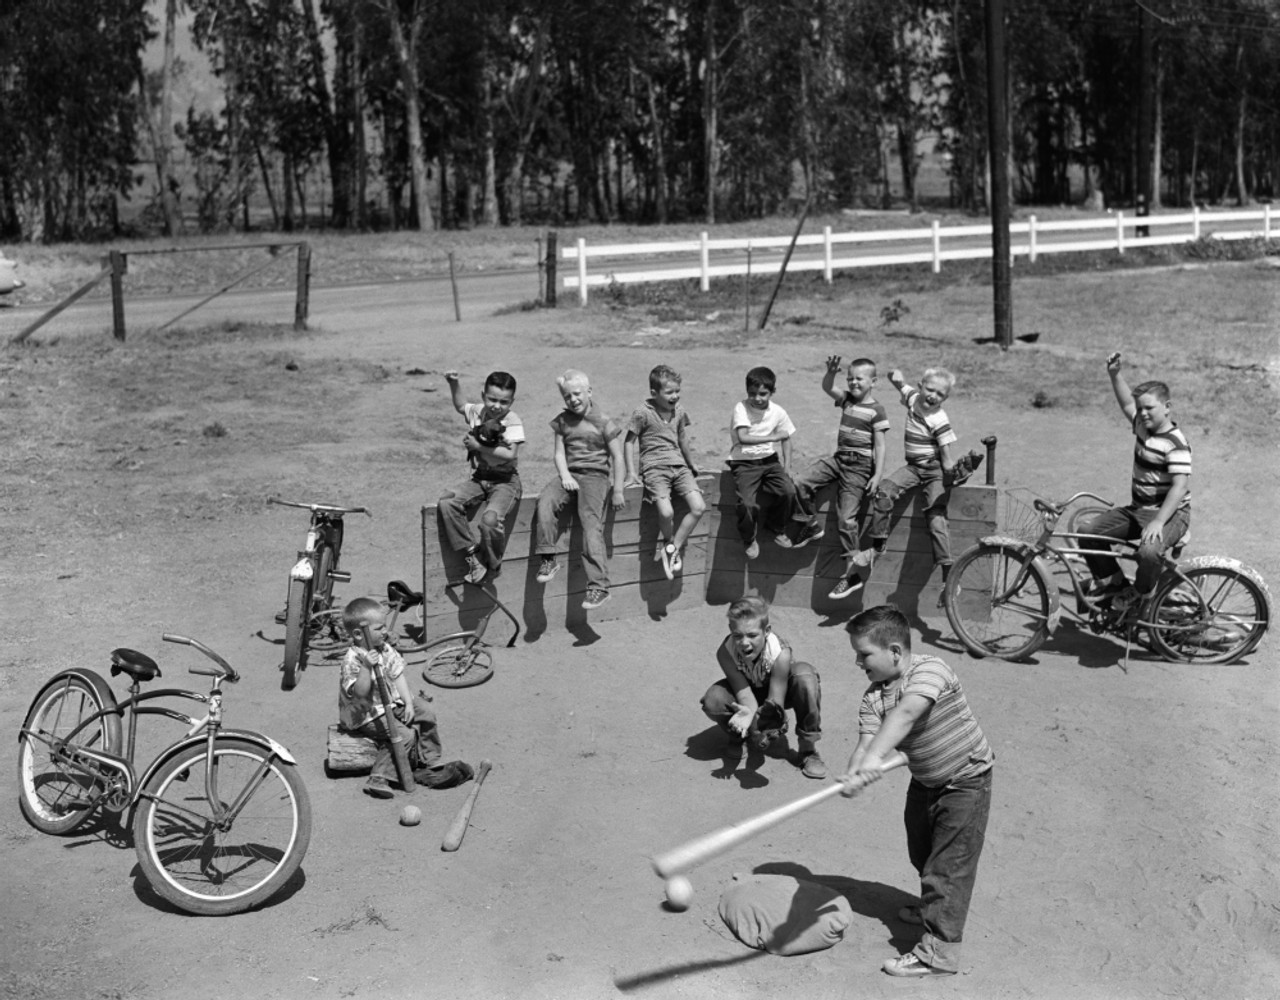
712	744
870	899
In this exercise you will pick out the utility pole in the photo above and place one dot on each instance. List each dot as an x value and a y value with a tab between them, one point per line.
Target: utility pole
998	134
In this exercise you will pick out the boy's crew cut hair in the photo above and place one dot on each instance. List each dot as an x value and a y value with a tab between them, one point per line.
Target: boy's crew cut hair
882	626
354	614
942	375
1153	388
502	381
661	375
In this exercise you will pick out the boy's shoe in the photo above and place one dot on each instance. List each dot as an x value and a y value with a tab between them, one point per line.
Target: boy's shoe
378	787
782	541
813	765
476	570
851	584
867	558
910	966
811	533
910	914
548	569
677	563
669	556
753	550
595	597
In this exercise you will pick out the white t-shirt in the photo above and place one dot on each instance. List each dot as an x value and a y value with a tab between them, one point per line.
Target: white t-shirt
760	423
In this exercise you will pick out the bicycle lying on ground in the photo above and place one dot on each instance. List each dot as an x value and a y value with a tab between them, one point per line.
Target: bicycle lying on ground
1002	598
221	818
309	612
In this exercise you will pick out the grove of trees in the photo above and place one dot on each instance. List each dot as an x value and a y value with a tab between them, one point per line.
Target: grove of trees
457	113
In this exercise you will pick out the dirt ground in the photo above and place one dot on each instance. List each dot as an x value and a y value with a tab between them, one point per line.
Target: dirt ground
1132	844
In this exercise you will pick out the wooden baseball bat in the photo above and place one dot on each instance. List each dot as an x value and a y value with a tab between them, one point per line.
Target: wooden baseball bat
710	845
458	828
398	752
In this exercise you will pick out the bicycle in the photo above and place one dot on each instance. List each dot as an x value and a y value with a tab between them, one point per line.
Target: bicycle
461	659
212	848
308	610
1002	601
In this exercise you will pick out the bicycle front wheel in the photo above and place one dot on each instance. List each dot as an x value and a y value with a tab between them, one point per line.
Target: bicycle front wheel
1217	615
988	618
459	665
297	611
210	868
54	797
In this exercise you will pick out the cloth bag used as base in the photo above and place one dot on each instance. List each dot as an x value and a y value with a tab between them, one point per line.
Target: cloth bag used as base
784	915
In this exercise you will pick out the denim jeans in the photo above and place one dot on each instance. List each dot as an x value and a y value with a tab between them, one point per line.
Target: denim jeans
936	496
422	740
765	493
946	828
850	472
1127	523
457	506
553	528
804	697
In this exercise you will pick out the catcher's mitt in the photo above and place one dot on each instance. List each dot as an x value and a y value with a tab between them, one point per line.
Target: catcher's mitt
966	466
769	724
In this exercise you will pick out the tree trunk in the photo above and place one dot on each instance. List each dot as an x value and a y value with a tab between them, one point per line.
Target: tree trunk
1157	133
709	113
1242	190
406	47
659	153
489	180
337	137
168	187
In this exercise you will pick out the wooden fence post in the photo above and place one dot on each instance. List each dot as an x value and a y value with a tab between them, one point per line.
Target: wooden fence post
118	263
302	304
553	251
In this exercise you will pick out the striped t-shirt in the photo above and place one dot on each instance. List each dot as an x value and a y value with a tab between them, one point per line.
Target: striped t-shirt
1157	458
858	425
946	743
925	432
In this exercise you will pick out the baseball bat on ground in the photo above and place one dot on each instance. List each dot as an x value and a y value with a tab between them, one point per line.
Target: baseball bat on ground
398	752
458	828
695	852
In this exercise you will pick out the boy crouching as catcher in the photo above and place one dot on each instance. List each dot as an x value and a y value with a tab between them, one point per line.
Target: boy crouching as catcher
915	704
762	680
360	709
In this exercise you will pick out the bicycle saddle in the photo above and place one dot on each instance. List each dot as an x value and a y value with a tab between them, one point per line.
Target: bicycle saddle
400	597
137	665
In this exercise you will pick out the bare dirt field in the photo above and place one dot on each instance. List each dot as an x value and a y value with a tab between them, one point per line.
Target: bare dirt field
1131	851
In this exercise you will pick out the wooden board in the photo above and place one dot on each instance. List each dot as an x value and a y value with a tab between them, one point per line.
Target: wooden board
346	753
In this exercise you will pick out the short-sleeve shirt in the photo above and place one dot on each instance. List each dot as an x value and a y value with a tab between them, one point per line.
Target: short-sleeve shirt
1157	458
512	433
946	744
761	423
586	439
354	712
657	437
925	432
757	671
859	423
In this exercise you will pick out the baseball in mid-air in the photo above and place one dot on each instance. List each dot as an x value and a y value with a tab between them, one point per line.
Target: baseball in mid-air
410	816
679	892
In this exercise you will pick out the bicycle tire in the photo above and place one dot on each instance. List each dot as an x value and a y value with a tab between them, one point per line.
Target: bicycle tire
1236	617
201	869
1009	631
459	665
296	613
47	790
326	561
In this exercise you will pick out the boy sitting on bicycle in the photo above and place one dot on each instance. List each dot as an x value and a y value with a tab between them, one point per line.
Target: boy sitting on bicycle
493	444
360	709
1160	509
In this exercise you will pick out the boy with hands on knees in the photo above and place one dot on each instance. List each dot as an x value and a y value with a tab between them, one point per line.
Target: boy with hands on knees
760	460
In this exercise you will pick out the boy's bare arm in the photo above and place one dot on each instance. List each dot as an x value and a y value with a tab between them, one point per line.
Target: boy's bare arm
784	446
778	677
401	687
879	448
899	721
1124	396
745	700
1153	532
631	454
829	378
946	458
617	466
455	391
683	439
562	466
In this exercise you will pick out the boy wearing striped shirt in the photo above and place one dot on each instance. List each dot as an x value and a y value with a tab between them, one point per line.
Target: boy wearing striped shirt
915	705
1159	512
856	466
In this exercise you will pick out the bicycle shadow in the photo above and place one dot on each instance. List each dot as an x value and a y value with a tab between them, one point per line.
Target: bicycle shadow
149	897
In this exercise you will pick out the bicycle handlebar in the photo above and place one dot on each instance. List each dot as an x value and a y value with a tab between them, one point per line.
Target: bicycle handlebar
1049	507
314	507
227	673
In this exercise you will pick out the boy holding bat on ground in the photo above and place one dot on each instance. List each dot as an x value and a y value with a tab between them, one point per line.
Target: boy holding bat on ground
915	704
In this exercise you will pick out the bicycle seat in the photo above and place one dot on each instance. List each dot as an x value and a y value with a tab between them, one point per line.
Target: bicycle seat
1046	506
137	665
400	597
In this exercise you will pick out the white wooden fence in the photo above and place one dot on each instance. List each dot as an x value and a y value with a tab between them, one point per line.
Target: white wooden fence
921	245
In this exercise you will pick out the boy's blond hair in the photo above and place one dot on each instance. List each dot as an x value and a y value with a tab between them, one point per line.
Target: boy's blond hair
572	376
355	613
942	375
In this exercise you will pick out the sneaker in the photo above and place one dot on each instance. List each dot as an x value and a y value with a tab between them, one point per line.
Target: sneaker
476	570
677	563
851	584
867	558
910	914
668	560
548	569
595	597
753	550
379	787
910	966
811	533
813	765
783	542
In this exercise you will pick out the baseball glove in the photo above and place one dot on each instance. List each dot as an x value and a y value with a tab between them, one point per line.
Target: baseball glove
769	724
965	468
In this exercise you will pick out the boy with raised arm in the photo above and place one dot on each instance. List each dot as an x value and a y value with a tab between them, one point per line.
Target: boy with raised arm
1159	510
657	433
760	459
493	440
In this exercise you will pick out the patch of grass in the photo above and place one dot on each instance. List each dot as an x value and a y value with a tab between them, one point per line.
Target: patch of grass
214	430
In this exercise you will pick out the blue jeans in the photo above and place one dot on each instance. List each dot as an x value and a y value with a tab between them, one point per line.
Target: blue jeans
457	506
765	493
850	472
946	828
421	740
804	697
553	528
936	496
1127	523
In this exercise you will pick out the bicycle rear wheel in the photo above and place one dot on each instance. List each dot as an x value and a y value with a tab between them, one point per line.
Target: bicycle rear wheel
1227	624
53	796
985	617
459	665
297	612
212	870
